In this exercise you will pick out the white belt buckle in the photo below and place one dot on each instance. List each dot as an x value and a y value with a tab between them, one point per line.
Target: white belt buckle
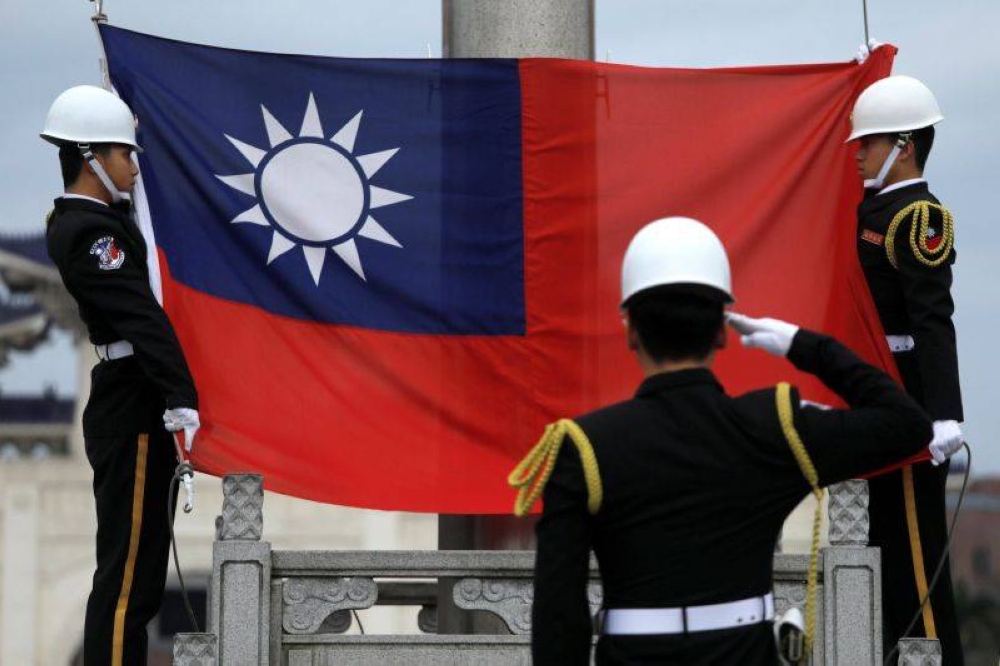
900	343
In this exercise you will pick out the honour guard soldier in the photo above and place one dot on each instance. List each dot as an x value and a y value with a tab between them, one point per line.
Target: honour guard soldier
682	491
906	247
141	375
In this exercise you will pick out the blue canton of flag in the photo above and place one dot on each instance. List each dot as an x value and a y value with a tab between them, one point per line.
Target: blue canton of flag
384	194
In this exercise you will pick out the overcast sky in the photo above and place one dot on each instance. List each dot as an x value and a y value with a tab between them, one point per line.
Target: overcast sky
48	46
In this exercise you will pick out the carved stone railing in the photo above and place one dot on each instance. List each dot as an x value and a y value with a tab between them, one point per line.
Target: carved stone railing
848	510
307	602
510	600
495	582
919	652
295	607
195	650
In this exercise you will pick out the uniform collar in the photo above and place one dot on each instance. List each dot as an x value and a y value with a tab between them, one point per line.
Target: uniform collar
84	197
76	202
900	185
891	196
668	381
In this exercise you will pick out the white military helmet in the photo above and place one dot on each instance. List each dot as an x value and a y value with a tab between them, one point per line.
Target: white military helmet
892	105
87	115
676	251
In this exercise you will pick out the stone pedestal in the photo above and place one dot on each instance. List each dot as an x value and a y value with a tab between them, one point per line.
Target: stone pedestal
239	610
852	575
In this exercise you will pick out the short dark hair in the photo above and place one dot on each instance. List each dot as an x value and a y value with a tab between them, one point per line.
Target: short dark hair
71	161
676	324
923	140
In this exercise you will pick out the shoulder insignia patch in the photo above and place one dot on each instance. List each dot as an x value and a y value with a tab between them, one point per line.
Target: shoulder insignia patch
873	237
109	256
931	244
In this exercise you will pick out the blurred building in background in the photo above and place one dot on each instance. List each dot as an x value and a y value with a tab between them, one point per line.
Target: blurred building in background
975	564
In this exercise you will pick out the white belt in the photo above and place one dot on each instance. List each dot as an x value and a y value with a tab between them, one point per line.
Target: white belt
114	350
900	343
632	621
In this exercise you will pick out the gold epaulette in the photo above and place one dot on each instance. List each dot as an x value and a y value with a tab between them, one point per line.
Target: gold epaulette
786	415
48	217
532	473
919	214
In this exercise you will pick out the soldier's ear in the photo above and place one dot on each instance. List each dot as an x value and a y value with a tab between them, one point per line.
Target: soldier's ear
630	333
907	153
721	337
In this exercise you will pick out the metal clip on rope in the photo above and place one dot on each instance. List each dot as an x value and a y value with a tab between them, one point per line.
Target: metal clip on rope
99	15
186	474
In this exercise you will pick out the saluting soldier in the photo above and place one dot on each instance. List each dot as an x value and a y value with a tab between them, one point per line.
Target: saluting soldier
682	491
906	246
141	375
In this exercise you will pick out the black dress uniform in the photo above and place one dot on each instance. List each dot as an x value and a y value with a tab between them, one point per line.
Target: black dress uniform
696	488
101	256
905	243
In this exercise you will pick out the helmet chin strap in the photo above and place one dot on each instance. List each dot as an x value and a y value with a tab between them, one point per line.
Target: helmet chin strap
102	175
877	182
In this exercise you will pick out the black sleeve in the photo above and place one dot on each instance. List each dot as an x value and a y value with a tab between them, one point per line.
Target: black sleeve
929	305
561	625
883	424
120	291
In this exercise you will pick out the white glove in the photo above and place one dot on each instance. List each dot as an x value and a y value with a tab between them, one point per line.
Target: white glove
947	441
183	418
866	50
772	335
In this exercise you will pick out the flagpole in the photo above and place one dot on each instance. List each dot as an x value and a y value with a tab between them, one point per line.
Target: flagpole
864	8
510	29
98	19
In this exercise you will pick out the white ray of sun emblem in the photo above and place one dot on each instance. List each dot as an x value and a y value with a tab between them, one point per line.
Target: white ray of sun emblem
313	192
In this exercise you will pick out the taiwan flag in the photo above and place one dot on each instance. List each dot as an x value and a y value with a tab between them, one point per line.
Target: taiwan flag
388	275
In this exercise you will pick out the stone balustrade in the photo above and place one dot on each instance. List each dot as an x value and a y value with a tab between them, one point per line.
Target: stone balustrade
296	607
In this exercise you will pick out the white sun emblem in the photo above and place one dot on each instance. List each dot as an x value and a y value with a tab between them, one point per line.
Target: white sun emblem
315	193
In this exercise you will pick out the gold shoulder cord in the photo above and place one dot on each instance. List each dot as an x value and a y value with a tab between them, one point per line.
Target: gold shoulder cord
532	473
919	213
783	396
